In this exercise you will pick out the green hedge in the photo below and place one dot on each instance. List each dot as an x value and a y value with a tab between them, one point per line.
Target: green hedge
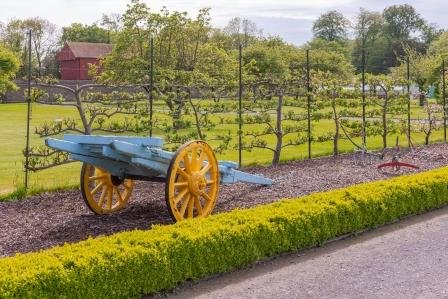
142	262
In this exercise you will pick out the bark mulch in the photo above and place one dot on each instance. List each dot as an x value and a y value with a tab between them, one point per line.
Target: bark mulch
50	219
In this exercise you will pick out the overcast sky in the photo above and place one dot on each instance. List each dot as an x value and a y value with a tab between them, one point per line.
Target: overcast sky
290	19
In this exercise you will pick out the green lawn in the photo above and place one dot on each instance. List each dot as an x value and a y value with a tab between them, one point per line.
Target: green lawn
13	130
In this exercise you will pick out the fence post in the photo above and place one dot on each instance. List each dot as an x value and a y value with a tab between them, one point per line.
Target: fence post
363	73
444	100
308	89
151	84
408	78
240	112
28	115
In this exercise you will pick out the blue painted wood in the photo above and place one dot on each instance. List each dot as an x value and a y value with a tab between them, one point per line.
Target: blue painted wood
230	176
229	164
106	140
136	156
153	154
69	147
113	154
117	168
158	167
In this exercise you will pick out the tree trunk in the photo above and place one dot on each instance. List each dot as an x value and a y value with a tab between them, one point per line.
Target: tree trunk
198	125
278	131
82	114
385	122
422	99
336	126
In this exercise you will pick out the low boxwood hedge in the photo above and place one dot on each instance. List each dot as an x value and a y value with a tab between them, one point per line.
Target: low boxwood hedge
142	262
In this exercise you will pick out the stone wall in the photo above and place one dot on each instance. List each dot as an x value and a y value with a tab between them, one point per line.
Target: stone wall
18	96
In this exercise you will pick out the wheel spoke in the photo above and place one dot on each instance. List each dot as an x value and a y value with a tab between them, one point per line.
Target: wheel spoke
193	181
205	169
184	205
100	194
205	196
102	197
127	184
187	164
181	184
109	198
194	158
97	177
197	203
120	199
179	196
96	188
201	159
183	173
190	208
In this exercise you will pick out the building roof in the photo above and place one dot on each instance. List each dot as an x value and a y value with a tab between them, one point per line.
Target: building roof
89	50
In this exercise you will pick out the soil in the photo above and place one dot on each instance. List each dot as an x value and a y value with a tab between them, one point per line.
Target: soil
50	219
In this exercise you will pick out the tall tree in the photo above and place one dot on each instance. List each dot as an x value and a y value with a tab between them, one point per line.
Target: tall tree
404	29
242	31
45	37
424	71
331	26
9	64
78	32
402	21
13	36
440	46
44	41
369	34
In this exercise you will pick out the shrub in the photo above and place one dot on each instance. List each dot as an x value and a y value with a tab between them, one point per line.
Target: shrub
142	262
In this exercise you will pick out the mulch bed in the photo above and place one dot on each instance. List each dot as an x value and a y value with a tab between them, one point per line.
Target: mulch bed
50	219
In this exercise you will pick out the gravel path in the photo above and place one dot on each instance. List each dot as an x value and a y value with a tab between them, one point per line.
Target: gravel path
50	219
404	260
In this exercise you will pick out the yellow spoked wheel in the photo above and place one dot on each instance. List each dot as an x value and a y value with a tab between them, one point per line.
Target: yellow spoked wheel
192	182
103	192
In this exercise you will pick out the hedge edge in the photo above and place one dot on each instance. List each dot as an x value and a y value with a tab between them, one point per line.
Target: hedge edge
143	262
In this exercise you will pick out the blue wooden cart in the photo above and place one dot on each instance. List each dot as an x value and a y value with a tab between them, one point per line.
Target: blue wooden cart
112	163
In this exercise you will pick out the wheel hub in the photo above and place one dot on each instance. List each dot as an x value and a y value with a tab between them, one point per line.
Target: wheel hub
197	183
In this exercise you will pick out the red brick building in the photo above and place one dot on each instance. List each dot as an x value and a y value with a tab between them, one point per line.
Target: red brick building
75	57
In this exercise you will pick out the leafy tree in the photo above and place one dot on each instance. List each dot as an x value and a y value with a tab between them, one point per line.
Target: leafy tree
112	22
424	71
430	123
333	71
440	46
268	71
9	64
97	112
242	31
369	35
178	42
331	26
13	36
44	41
78	32
329	46
385	98
402	25
430	32
402	21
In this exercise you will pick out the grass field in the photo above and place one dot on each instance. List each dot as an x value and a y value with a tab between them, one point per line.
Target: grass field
13	132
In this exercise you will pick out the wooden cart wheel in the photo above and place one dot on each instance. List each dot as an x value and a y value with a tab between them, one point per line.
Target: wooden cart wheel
192	182
103	192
